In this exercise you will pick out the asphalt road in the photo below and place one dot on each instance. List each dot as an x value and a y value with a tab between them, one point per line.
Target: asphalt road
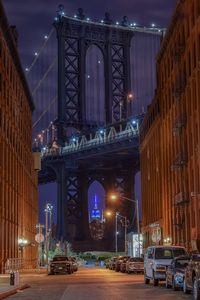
93	284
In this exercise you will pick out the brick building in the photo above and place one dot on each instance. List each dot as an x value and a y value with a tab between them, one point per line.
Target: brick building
170	137
18	179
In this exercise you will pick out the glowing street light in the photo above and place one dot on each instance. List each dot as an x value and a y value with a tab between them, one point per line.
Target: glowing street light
114	197
109	214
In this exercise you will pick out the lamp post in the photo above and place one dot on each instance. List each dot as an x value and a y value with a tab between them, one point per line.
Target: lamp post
114	197
48	210
116	230
129	98
125	231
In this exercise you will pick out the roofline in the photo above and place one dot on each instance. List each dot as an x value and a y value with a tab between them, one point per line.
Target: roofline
170	30
14	53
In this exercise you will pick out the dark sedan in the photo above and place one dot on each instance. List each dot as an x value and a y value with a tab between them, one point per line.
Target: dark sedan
61	264
118	263
175	272
74	263
123	264
112	263
192	277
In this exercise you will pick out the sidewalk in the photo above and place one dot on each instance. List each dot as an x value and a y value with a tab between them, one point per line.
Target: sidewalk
7	290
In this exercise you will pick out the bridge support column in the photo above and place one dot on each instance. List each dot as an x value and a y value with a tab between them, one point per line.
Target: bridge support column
82	232
61	232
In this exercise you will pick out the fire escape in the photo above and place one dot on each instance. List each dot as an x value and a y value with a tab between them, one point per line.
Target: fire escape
181	196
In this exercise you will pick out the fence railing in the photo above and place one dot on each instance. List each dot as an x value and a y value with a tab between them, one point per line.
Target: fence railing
101	137
15	264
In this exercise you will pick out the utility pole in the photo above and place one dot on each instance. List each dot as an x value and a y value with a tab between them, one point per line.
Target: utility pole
116	246
47	234
39	239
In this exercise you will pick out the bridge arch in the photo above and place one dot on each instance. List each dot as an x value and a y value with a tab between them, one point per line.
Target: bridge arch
96	207
95	85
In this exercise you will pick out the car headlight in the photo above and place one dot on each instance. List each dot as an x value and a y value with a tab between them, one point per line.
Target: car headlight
178	277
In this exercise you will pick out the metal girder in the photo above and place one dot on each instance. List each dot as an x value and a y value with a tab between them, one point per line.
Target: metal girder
74	38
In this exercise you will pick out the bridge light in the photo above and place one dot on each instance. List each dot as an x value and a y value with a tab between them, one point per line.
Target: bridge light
75	16
88	19
134	24
88	76
27	69
102	21
134	122
117	23
153	25
55	19
99	61
36	54
46	37
101	131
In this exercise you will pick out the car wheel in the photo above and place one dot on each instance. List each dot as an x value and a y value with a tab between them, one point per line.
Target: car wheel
196	290
167	284
155	281
174	286
51	273
185	289
146	280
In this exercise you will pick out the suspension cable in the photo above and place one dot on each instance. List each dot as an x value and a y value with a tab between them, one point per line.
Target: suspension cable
45	111
44	76
40	51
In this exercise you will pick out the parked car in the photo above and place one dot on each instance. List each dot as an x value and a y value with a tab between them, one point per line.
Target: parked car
118	262
135	265
60	264
192	277
176	271
74	263
123	264
156	259
112	263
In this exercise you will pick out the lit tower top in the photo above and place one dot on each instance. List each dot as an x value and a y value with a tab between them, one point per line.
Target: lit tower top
95	213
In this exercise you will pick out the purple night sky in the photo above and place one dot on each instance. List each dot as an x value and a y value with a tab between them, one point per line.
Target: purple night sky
34	19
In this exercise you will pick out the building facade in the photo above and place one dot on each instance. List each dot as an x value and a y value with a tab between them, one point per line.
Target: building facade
170	137
18	179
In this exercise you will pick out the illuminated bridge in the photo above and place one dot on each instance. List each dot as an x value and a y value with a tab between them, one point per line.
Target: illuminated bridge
91	96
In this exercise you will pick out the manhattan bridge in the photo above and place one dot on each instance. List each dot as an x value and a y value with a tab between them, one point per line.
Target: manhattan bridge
91	82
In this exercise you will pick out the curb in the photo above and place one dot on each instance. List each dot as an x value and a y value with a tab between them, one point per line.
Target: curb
13	291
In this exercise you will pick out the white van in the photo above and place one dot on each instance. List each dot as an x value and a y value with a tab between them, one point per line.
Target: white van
157	259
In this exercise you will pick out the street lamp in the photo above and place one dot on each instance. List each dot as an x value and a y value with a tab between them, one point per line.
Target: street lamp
114	197
109	213
129	98
48	210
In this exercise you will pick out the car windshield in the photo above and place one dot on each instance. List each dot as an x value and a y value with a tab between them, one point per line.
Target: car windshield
60	258
165	253
196	257
136	259
181	263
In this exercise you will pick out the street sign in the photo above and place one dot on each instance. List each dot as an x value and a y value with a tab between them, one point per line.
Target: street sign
39	237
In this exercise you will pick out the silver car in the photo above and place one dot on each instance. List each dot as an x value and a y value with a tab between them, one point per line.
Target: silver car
135	265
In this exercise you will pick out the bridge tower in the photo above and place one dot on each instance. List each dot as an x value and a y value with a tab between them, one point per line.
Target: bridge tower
75	36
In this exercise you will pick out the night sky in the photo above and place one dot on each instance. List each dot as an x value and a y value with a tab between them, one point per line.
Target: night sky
34	18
